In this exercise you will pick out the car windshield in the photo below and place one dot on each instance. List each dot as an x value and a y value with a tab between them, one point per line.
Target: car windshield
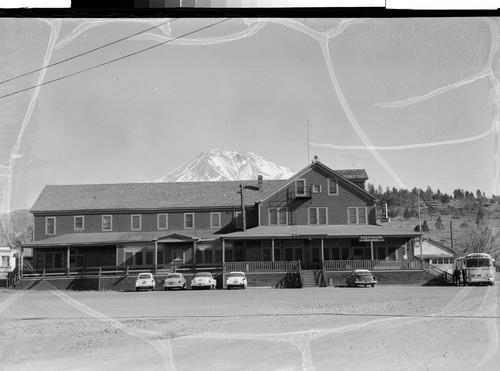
205	274
236	275
144	276
174	276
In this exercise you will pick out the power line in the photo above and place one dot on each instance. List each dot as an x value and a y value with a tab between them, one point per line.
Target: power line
114	60
87	52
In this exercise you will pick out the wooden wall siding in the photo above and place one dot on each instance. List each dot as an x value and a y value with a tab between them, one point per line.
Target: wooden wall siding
348	196
122	222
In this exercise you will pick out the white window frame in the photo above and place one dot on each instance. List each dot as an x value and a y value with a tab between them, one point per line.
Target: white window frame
47	225
110	223
278	209
317	215
83	223
356	208
336	193
132	222
316	190
212	225
185	220
158	221
305	187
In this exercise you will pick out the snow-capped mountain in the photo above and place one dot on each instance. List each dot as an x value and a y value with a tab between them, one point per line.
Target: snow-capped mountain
219	164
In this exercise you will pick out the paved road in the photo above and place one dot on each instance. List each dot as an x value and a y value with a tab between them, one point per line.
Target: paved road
381	328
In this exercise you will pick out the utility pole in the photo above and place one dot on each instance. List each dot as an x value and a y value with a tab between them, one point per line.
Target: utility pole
420	230
243	217
307	125
451	233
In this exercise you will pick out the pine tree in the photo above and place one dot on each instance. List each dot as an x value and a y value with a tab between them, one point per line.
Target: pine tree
425	227
439	224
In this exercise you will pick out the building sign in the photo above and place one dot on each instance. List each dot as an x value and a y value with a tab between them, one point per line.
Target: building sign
371	238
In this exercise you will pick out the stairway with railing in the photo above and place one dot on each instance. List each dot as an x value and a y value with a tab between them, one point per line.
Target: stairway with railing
292	278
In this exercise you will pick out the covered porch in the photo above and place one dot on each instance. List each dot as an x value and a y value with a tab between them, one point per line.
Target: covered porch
335	247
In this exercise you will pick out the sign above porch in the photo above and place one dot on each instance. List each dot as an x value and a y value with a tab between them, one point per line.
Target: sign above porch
371	238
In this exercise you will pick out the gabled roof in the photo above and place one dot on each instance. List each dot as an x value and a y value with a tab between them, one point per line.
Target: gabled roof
165	195
112	238
146	196
349	176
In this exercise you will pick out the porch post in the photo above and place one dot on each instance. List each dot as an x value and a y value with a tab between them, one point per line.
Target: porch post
194	254
67	260
371	248
223	253
155	257
322	250
21	262
272	249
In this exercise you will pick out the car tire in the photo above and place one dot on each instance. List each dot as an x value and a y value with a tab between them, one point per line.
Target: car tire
373	285
136	289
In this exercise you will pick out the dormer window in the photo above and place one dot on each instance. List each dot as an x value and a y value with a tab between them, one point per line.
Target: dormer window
300	187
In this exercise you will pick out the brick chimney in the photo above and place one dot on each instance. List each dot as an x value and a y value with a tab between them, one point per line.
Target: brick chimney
259	182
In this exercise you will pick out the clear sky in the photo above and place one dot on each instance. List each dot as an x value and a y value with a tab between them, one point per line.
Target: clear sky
412	101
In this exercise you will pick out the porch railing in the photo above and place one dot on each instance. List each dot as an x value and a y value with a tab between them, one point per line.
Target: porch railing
260	266
344	265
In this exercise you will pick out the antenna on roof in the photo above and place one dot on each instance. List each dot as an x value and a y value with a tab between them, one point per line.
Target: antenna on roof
308	125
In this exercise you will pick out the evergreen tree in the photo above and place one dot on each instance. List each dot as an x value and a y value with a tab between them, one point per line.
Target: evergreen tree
425	227
439	224
417	228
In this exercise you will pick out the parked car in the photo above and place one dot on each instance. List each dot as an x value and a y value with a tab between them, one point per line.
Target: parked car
236	279
175	281
145	281
203	280
361	277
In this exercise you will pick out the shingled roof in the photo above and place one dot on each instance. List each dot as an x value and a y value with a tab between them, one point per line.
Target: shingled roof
147	196
157	196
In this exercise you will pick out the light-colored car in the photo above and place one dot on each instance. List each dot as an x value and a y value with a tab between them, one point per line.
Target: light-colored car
361	277
236	279
203	280
175	281
145	281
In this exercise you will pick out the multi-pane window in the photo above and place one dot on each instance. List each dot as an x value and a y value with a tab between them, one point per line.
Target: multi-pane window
300	187
278	216
50	225
214	220
107	222
356	215
5	261
316	188
78	223
333	187
162	221
189	220
317	215
135	222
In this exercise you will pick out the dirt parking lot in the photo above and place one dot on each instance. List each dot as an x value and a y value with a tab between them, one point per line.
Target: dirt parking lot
381	328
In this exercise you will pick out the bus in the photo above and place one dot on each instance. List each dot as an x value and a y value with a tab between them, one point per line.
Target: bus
479	267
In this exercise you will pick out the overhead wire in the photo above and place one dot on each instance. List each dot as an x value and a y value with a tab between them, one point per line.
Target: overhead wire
114	60
87	52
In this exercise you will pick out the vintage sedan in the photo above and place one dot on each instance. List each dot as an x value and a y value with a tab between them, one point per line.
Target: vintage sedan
203	280
145	281
236	279
175	281
361	277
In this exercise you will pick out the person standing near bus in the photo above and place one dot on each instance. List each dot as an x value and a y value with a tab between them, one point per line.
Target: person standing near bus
464	275
456	276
